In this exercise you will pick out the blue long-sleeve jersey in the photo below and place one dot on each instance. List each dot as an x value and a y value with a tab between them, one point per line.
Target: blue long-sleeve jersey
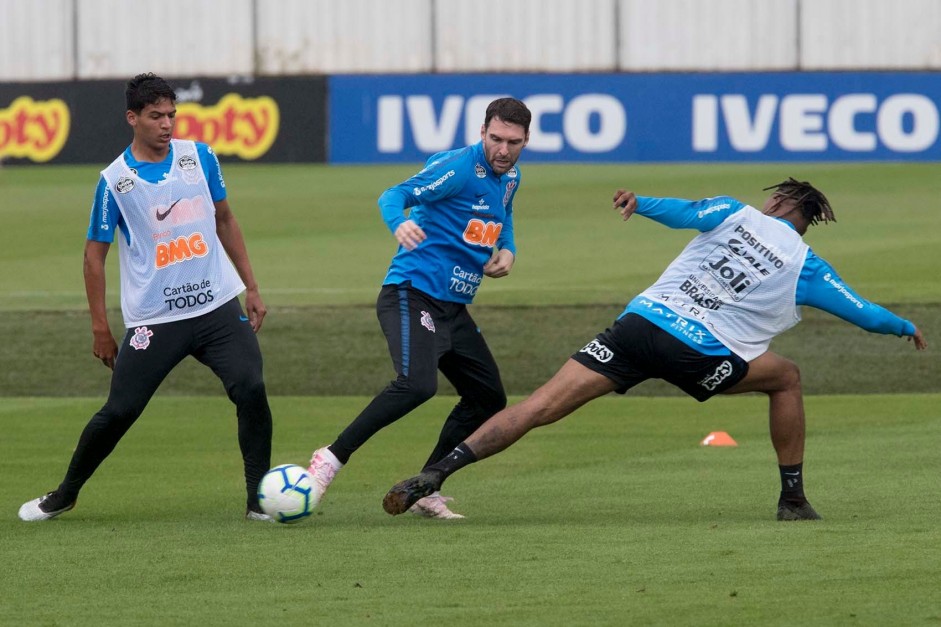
818	285
465	210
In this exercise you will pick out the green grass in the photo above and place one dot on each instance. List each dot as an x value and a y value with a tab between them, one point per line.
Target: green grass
320	350
315	236
614	516
320	252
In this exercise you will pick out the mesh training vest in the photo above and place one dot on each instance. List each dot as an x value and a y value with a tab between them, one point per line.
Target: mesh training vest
174	266
739	280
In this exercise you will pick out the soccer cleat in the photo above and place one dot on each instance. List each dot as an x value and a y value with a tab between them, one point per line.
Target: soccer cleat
434	506
406	493
251	514
324	466
34	510
790	510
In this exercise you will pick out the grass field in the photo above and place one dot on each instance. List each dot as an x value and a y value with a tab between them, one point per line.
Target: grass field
614	516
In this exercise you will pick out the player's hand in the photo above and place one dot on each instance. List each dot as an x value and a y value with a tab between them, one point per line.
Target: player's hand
104	347
919	339
499	264
409	235
625	202
255	309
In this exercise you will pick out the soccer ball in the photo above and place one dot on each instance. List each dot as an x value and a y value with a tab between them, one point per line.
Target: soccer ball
285	493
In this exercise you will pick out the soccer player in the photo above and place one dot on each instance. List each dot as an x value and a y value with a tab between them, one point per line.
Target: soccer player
454	225
704	326
183	264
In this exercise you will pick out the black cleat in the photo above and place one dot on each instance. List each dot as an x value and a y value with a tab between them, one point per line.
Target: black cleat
45	507
404	494
791	510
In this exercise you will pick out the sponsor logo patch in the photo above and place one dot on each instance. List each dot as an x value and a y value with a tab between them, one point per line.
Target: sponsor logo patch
480	233
141	338
731	273
598	350
721	374
828	278
179	250
418	191
163	216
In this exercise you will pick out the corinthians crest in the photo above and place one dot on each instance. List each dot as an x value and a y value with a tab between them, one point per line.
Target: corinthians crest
141	338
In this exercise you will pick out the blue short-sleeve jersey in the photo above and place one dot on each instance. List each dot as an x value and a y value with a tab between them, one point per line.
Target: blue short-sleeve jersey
465	210
105	216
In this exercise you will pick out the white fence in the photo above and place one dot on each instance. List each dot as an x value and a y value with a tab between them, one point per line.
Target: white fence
48	40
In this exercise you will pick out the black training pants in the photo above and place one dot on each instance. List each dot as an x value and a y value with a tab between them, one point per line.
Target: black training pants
424	335
221	339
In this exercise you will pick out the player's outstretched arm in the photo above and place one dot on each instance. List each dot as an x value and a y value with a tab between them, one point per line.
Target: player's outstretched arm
625	202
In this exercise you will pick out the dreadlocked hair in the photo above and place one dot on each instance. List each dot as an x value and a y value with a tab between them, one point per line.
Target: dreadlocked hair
812	203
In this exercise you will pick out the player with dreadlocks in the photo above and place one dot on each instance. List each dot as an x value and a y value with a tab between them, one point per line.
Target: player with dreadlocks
705	326
811	201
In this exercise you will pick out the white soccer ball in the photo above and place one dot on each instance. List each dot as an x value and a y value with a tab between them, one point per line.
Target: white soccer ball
286	494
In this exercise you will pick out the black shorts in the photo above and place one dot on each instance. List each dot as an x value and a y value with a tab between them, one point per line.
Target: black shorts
634	350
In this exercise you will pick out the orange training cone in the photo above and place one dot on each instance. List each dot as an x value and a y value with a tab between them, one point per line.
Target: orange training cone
718	438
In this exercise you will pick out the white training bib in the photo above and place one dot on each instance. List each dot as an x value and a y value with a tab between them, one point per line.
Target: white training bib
739	280
173	267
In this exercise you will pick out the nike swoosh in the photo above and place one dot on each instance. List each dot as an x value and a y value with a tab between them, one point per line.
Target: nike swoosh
243	318
163	216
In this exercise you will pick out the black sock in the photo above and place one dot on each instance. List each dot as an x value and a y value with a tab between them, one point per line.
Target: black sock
792	483
455	460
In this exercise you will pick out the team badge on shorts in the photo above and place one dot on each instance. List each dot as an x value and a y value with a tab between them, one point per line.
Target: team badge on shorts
141	338
427	322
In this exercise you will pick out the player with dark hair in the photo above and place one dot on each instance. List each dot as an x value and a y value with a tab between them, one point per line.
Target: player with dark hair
705	326
183	264
454	225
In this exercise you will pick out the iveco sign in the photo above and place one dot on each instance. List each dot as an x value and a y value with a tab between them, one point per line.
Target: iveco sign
646	117
814	122
590	123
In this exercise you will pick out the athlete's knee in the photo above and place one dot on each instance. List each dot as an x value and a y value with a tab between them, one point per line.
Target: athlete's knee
490	401
418	389
119	411
790	375
250	391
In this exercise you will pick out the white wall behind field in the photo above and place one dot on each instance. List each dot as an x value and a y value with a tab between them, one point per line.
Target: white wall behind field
47	40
